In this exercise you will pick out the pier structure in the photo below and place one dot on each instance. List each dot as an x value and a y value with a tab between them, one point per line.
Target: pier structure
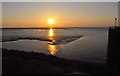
113	51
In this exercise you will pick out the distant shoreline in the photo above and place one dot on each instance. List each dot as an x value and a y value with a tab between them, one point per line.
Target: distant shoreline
59	28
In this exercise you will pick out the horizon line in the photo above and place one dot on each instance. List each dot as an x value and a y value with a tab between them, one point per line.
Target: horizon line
47	27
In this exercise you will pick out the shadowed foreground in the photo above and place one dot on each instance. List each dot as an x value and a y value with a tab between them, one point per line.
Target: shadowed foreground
31	63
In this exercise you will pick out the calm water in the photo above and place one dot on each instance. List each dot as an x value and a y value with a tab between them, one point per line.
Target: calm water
84	44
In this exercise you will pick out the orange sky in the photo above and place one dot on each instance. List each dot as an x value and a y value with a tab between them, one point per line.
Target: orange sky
65	14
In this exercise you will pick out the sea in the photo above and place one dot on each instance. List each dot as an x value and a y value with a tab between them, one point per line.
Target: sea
87	44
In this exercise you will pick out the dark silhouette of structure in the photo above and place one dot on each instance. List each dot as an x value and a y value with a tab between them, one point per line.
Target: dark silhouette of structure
113	54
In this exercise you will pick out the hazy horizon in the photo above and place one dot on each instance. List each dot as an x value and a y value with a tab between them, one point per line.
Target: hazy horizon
59	27
65	14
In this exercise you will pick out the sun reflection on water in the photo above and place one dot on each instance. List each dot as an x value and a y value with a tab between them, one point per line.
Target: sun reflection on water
52	48
51	32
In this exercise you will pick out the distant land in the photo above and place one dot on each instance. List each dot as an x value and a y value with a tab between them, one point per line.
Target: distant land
58	28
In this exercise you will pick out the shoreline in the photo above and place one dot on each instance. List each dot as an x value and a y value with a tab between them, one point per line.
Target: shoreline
21	62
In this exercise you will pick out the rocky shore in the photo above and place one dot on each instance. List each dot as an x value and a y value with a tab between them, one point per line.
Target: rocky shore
19	63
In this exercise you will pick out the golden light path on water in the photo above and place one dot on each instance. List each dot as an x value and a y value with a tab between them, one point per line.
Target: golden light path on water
51	32
52	48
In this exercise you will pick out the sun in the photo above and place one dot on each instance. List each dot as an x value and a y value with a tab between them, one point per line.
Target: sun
51	21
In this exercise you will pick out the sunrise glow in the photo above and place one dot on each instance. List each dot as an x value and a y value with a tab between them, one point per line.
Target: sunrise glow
51	21
77	14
